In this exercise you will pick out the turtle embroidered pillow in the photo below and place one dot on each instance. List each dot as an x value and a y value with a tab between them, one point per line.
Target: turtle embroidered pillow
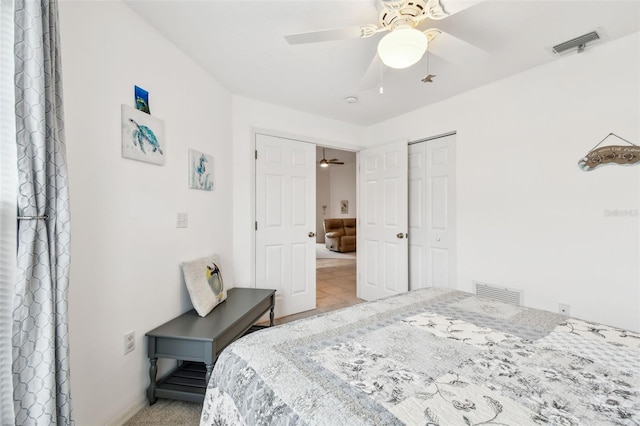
204	284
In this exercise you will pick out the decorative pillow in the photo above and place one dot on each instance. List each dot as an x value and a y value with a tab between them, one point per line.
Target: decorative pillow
204	283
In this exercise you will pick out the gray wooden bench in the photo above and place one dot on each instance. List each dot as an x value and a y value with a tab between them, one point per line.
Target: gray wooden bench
197	341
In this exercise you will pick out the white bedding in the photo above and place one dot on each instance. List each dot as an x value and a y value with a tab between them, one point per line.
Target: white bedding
432	356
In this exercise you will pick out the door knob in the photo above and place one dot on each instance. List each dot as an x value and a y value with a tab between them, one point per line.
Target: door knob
312	234
438	239
400	235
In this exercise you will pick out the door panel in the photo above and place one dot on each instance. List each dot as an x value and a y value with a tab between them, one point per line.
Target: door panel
438	201
299	192
391	279
439	266
441	230
383	193
273	203
285	215
432	230
417	221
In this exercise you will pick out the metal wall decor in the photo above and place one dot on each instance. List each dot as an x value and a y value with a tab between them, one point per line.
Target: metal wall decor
612	154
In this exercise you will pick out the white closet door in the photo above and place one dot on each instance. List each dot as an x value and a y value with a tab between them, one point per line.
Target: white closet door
432	213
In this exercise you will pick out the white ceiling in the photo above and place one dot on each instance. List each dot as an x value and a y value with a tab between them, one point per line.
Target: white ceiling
241	44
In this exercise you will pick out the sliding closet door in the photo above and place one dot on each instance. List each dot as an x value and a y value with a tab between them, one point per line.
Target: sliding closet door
432	213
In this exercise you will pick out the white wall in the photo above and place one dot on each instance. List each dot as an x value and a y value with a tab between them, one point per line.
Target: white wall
343	187
250	116
323	198
126	249
528	217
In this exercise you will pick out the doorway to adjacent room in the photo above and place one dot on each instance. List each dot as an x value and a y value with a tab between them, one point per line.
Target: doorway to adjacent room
336	180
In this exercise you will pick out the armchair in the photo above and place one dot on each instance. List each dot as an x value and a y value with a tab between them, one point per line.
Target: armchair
340	234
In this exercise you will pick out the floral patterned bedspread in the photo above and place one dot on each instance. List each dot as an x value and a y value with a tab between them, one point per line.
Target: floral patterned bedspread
434	357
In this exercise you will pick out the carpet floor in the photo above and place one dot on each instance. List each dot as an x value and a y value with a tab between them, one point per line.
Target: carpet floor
323	252
166	412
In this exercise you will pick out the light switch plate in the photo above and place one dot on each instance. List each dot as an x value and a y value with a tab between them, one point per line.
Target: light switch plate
183	220
129	342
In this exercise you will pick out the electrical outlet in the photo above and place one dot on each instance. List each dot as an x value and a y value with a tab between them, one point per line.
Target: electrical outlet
129	342
183	220
564	309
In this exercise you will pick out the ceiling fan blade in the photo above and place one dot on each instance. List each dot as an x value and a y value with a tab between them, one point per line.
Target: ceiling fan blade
454	50
434	11
452	7
335	162
361	31
374	74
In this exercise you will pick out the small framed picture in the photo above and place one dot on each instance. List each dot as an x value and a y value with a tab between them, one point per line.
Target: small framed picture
200	170
344	206
142	136
142	99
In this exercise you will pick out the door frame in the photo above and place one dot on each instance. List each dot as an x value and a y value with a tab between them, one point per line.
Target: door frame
318	142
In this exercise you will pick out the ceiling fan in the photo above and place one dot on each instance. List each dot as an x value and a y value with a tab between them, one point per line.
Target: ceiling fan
404	44
325	163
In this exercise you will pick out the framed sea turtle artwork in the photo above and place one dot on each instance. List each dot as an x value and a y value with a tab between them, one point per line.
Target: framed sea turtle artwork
142	136
200	170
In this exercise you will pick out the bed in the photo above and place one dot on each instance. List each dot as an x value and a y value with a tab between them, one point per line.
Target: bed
431	356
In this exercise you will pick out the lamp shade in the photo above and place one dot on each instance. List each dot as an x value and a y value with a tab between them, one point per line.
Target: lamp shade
402	47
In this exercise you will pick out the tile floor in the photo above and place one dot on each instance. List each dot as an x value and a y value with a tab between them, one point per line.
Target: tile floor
335	288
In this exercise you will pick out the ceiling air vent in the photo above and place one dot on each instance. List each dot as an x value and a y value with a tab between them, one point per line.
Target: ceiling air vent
578	43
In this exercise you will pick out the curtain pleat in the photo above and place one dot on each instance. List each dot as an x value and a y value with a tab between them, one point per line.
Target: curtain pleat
40	327
8	182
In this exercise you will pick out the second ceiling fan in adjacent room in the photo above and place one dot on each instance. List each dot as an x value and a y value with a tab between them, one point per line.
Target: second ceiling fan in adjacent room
325	163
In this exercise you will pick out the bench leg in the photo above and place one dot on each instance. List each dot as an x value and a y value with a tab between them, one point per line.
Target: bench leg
208	376
151	390
271	316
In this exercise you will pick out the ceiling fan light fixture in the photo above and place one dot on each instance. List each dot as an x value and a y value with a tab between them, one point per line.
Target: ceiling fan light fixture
402	47
324	163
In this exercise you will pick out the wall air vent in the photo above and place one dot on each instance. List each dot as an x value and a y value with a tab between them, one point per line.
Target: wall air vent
578	44
502	294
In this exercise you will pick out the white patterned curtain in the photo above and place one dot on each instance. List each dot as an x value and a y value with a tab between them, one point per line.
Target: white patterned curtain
40	337
8	186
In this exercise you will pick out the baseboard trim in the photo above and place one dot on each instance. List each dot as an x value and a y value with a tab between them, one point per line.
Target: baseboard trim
129	413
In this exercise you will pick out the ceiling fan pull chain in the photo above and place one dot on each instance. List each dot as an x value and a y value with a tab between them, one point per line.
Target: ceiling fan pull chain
381	90
429	77
427	55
